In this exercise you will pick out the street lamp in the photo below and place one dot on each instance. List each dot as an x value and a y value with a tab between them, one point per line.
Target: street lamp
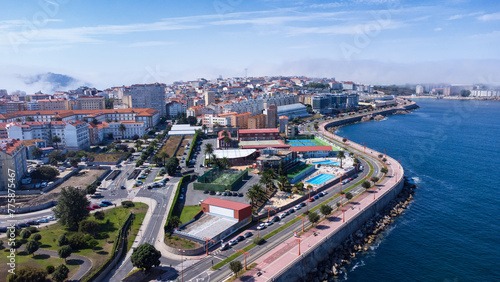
364	147
343	215
206	242
182	263
298	240
309	187
269	209
303	218
244	253
341	194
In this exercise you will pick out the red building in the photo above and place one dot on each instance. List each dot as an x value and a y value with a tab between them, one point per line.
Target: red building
226	208
258	134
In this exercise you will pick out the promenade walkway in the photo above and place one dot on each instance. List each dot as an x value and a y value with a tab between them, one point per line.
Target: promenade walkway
273	263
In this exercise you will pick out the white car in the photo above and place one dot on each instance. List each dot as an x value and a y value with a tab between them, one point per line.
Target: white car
233	242
261	226
269	223
282	215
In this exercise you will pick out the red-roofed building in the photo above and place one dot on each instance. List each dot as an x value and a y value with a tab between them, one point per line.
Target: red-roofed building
258	134
226	208
220	140
314	151
13	162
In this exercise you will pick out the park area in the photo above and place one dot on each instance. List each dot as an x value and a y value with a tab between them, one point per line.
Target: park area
103	238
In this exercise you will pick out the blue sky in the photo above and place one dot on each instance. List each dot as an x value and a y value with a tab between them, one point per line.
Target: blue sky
107	43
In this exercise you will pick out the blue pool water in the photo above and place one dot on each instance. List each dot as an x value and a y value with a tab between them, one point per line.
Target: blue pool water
320	179
327	162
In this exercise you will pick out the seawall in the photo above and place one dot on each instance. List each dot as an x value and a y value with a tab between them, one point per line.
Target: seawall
310	260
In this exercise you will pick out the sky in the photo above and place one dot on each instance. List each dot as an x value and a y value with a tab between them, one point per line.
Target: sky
120	42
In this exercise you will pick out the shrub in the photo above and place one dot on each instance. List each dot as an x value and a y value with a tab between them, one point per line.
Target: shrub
62	240
258	240
99	215
128	204
36	237
32	229
25	234
76	241
88	226
50	269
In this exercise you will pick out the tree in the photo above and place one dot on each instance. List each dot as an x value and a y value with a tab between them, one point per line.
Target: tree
28	274
227	141
209	149
283	183
465	93
235	267
313	217
145	256
88	226
171	166
309	109
384	170
122	128
348	196
45	172
64	252
110	135
31	247
108	103
50	269
91	189
340	156
37	152
16	244
36	237
316	126
135	137
74	162
62	240
374	179
99	215
366	184
61	273
325	209
380	156
25	234
255	193
56	139
71	207
299	185
163	156
267	178
225	163
192	120
173	222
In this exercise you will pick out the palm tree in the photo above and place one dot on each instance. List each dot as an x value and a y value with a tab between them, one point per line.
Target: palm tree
56	139
340	156
163	155
267	178
253	194
138	144
209	149
225	163
227	141
283	182
204	128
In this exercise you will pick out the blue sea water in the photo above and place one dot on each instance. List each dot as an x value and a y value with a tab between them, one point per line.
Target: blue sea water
451	232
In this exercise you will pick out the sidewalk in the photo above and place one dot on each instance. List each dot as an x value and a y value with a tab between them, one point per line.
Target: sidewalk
286	254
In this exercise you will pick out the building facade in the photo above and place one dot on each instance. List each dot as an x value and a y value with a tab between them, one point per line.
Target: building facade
140	96
91	103
12	163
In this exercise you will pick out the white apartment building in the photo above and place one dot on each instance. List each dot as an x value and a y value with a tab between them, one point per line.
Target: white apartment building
91	103
32	106
174	108
12	163
74	134
131	128
211	119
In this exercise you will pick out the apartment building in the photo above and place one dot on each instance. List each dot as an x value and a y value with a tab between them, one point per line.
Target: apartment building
91	103
54	104
141	96
12	107
12	163
240	120
257	122
125	129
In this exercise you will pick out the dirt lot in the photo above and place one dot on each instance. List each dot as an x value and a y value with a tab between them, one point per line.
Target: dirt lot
82	179
183	145
171	144
111	157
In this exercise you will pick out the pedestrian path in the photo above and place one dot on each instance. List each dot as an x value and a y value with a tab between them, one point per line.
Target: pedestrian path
274	262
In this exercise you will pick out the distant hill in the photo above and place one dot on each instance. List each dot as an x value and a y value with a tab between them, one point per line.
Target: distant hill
52	81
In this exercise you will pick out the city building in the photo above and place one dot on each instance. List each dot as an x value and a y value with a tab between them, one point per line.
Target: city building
91	103
12	107
209	97
292	130
30	146
240	120
237	157
173	108
257	122
32	106
326	102
54	104
283	122
151	96
258	134
272	158
272	116
126	129
12	163
293	110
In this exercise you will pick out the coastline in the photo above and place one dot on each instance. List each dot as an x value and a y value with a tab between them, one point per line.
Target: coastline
452	98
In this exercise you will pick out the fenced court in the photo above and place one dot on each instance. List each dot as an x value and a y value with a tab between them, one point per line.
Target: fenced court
218	179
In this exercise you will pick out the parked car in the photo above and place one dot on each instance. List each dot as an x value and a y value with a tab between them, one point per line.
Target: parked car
235	194
181	197
229	194
3	229
233	242
42	220
224	194
276	219
224	246
240	238
205	192
302	205
103	205
107	203
311	199
23	225
269	223
122	187
316	197
32	222
89	208
321	194
212	192
261	226
248	234
240	195
50	217
282	215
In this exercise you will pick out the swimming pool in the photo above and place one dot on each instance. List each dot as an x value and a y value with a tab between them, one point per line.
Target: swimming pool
327	163
320	179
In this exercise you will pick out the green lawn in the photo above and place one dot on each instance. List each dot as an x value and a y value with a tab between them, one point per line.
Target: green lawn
38	261
139	210
116	217
298	169
177	242
188	212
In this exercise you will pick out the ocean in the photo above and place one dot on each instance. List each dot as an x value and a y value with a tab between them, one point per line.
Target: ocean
451	232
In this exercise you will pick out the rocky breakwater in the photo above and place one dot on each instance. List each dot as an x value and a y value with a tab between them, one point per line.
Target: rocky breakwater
362	239
367	118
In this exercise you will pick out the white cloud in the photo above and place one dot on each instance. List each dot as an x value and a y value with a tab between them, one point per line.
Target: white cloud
364	28
438	29
490	17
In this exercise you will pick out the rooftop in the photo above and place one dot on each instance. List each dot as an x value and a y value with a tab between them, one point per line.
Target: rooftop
262	130
225	204
208	226
233	154
311	148
297	106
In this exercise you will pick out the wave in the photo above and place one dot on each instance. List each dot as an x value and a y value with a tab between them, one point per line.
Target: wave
358	264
